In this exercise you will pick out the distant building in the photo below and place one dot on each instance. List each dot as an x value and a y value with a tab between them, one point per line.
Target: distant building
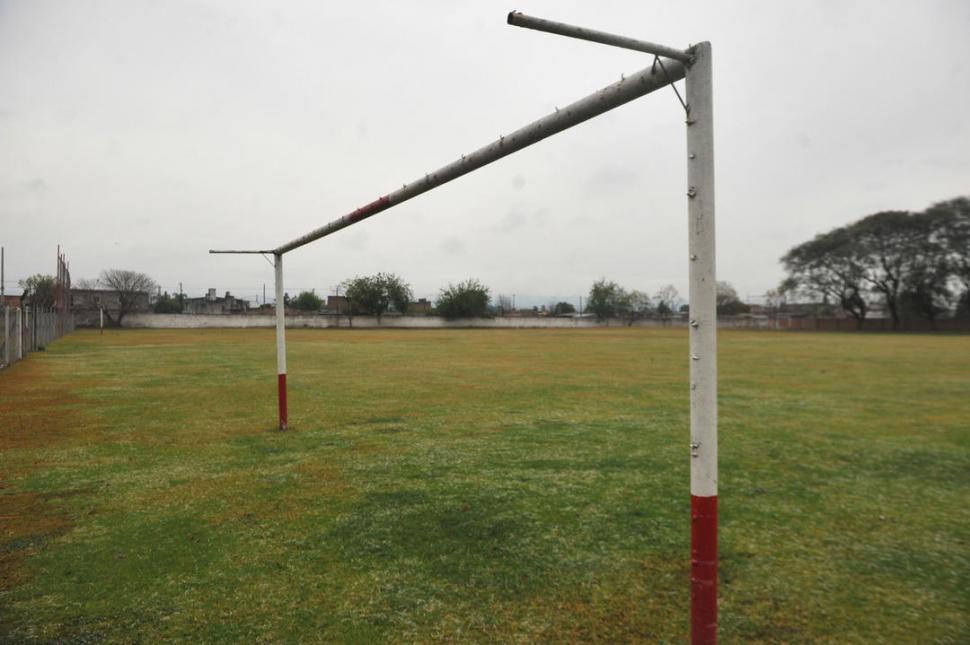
87	304
213	304
13	301
337	304
423	306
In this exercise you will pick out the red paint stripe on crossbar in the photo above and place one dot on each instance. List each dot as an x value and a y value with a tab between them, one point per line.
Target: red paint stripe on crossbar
374	207
703	569
281	383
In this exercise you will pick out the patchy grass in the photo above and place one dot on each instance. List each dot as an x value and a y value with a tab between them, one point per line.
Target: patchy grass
509	486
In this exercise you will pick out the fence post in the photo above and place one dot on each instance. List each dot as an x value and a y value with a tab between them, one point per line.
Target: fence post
6	335
20	334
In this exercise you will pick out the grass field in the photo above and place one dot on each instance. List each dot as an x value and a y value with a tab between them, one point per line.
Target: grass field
499	486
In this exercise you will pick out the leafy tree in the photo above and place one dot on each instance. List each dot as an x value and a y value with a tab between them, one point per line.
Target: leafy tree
308	301
926	284
39	290
468	299
831	267
168	304
563	308
666	300
607	299
634	305
375	295
728	302
129	285
950	221
887	242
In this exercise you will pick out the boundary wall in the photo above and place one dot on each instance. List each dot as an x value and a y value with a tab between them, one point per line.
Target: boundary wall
197	321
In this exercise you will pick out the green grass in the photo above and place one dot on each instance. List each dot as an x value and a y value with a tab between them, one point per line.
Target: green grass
510	486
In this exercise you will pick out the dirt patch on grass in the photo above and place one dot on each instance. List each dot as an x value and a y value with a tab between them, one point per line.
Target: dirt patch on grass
27	521
36	413
37	409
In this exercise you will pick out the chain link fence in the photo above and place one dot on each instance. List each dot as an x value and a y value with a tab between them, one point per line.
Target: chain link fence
31	329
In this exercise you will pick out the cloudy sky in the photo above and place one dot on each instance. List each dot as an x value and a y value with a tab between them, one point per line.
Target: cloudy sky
139	134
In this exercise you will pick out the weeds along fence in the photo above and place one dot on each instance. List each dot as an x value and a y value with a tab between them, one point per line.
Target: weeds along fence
31	329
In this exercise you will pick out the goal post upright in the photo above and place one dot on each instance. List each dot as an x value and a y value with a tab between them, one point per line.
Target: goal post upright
703	345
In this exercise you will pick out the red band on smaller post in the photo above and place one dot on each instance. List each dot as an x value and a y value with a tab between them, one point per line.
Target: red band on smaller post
703	570
281	383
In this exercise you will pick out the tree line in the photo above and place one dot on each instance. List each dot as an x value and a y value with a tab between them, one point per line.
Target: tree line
913	264
376	295
607	299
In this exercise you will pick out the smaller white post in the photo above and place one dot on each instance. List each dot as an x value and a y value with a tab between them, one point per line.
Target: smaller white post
101	312
280	340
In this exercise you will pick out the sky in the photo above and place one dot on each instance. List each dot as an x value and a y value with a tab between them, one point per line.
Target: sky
138	134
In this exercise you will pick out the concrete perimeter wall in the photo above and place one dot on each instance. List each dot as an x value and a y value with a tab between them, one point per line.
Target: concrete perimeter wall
196	321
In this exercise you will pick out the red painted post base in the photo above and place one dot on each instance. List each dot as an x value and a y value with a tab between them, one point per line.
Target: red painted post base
703	570
281	383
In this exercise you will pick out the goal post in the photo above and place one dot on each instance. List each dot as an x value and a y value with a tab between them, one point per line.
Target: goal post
669	66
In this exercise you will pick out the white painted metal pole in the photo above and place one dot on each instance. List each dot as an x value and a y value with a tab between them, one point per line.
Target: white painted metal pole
280	340
612	96
519	19
703	346
20	334
101	326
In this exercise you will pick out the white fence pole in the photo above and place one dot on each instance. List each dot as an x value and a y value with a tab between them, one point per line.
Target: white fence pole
20	334
6	335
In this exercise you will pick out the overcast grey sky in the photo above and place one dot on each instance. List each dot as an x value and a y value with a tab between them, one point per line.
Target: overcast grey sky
138	134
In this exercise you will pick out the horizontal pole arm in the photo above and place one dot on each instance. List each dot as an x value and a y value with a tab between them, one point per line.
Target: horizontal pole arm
232	251
519	19
612	96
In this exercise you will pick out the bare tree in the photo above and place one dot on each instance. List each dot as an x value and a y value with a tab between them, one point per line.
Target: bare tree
504	305
666	301
129	285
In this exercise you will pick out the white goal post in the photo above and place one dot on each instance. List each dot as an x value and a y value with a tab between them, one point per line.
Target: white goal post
669	65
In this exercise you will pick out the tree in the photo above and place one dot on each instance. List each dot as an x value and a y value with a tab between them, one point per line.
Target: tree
666	300
607	299
129	285
950	221
308	301
926	283
728	302
504	305
39	290
468	299
167	304
562	309
634	305
375	295
831	267
887	242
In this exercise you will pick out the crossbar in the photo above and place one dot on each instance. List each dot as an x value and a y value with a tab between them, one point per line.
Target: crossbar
610	97
519	19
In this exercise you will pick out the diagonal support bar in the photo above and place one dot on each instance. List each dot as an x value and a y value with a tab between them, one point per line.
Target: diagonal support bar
611	96
519	19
